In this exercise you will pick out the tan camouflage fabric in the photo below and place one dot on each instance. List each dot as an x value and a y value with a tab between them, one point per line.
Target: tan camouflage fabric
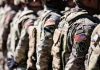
44	40
6	17
59	39
27	19
31	61
93	61
15	30
80	30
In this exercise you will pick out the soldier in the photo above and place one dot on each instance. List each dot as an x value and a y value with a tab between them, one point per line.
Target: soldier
1	54
93	61
45	29
81	24
8	13
59	48
22	22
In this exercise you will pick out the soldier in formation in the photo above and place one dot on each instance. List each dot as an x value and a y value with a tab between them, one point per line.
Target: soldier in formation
19	37
41	35
45	32
93	57
72	37
7	13
79	32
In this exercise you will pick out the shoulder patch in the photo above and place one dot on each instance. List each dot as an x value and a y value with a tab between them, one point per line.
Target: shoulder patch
79	38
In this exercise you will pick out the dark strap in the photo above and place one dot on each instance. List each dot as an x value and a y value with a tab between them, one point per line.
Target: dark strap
86	15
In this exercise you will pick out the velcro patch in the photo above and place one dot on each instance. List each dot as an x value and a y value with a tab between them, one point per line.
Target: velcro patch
79	38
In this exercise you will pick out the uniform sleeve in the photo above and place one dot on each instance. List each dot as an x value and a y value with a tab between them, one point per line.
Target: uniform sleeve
54	19
23	43
82	36
22	47
81	42
94	51
44	47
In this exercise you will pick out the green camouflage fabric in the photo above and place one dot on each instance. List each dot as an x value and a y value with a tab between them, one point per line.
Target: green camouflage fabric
6	17
93	60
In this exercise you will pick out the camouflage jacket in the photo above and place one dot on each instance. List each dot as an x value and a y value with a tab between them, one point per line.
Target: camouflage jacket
93	56
17	29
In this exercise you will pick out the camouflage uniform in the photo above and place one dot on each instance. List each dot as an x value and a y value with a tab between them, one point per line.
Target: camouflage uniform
93	61
60	51
80	28
7	15
59	46
19	40
24	43
1	52
45	42
45	29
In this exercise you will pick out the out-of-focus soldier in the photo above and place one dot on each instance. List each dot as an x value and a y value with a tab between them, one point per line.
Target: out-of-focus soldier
25	42
46	25
19	34
93	61
8	13
81	23
59	48
1	52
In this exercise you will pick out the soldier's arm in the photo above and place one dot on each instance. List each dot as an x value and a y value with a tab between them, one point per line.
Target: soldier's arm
44	49
81	42
54	19
22	47
32	47
23	43
94	50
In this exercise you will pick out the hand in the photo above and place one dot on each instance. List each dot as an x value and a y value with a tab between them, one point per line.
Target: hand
11	63
29	63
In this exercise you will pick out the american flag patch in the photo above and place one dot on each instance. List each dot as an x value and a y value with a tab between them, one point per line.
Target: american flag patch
79	38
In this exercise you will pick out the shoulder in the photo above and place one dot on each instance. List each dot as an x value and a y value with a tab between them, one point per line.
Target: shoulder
96	31
55	16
